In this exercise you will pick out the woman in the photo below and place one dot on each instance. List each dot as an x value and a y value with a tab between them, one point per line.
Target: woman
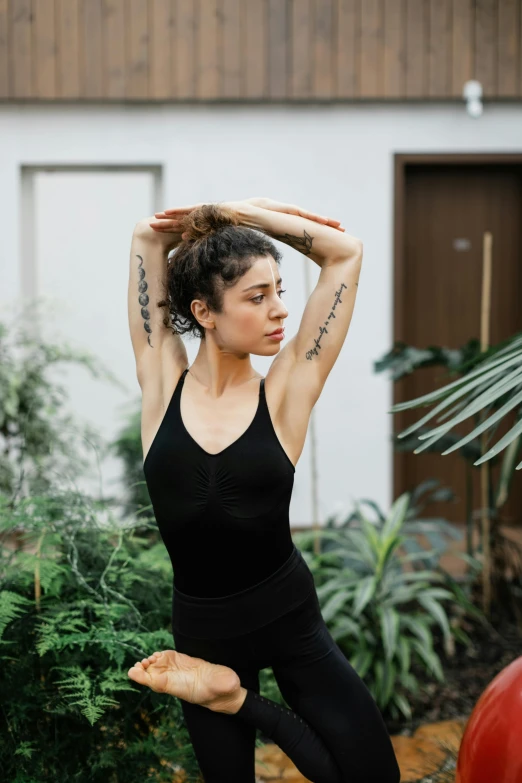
221	444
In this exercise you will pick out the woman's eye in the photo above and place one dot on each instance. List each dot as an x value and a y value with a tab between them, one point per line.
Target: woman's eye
260	296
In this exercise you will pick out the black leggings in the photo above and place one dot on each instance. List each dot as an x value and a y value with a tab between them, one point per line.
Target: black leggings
334	732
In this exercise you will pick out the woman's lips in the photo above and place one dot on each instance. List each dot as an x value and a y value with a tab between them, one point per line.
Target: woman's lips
277	335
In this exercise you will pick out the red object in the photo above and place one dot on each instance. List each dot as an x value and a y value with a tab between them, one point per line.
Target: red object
491	747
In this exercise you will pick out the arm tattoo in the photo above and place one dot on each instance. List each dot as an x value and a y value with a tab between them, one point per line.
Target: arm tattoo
323	330
303	244
143	299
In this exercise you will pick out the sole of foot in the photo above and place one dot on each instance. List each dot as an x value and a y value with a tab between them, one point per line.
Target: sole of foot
192	679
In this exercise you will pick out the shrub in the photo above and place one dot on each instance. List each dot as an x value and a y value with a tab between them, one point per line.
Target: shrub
381	614
81	599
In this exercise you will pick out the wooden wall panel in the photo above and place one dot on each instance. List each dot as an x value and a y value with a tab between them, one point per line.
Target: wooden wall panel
371	50
91	49
323	64
258	50
44	49
20	50
4	50
160	46
278	45
462	45
301	50
416	24
347	47
520	49
486	44
394	85
439	48
114	48
232	48
509	21
68	48
255	49
208	73
184	49
137	48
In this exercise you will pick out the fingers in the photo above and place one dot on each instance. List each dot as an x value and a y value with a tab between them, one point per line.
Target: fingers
166	225
295	210
321	218
292	208
182	210
170	215
169	218
163	225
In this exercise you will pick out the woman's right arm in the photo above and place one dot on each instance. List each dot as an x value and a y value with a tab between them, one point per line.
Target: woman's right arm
156	347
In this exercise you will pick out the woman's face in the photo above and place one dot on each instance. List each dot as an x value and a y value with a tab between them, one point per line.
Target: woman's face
252	308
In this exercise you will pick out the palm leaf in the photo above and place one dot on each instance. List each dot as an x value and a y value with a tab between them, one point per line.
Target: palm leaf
494	381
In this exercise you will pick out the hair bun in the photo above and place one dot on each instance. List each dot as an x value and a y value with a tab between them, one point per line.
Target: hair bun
206	220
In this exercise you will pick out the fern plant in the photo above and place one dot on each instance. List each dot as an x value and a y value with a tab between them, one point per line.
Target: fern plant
81	599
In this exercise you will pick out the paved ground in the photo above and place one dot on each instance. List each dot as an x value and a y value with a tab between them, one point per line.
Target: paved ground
427	757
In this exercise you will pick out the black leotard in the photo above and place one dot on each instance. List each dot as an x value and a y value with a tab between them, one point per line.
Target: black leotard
223	517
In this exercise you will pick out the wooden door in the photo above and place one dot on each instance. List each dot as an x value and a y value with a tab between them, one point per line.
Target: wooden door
444	212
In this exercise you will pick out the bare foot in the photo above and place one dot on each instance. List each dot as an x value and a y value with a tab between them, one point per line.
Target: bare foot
192	679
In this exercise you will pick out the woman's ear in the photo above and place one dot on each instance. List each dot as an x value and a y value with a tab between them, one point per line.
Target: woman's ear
202	314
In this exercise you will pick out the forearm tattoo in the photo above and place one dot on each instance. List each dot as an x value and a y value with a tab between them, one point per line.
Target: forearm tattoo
143	299
303	244
323	329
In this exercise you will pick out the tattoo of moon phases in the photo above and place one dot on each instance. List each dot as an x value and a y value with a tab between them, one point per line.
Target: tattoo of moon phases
143	299
323	329
303	244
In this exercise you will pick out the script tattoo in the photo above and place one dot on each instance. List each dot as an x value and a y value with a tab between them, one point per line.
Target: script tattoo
143	299
322	329
303	244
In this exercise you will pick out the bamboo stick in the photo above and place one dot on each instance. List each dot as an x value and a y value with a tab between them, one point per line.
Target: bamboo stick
485	317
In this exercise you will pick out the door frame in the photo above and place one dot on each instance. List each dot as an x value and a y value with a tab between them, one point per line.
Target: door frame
400	162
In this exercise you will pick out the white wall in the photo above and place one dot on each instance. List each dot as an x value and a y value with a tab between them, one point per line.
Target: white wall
337	160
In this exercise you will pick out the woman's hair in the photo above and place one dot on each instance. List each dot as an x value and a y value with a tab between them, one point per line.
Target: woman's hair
216	252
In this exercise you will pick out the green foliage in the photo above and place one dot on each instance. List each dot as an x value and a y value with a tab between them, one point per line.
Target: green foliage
381	600
81	599
489	389
10	607
491	386
38	439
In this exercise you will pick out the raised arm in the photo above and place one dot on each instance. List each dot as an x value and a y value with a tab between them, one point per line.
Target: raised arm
307	359
299	228
155	345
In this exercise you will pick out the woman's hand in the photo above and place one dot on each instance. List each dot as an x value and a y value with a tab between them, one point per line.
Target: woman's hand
175	213
163	232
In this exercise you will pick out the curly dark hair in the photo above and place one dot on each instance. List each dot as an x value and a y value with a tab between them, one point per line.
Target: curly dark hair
214	255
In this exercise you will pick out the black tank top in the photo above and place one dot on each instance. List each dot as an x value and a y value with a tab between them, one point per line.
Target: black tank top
223	517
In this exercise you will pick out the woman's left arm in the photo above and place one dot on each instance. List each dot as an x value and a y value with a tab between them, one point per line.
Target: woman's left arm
307	359
324	244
